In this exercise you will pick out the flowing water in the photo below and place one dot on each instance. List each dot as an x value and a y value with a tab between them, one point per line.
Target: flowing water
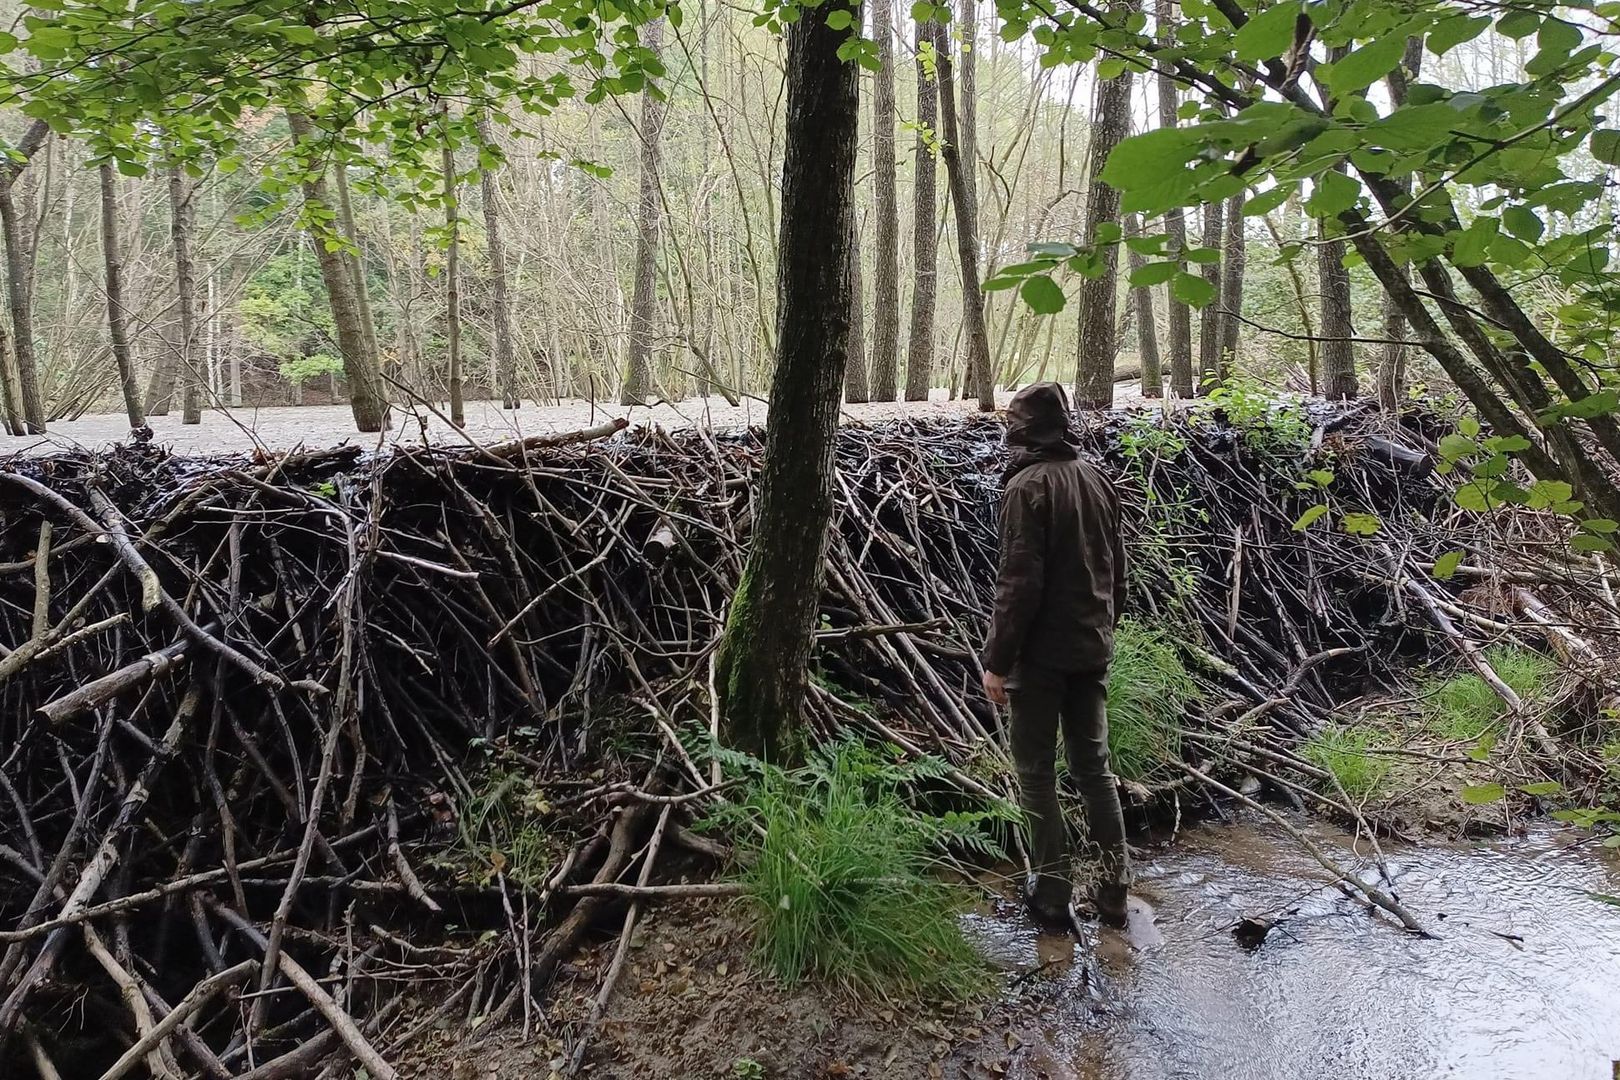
1521	982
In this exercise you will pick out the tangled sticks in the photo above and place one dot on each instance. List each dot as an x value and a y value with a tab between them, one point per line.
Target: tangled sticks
237	697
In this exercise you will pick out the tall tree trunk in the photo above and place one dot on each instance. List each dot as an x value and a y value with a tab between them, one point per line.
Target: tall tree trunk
1392	355
185	279
1098	340
22	313
19	373
856	388
649	215
1147	331
979	381
1210	329
452	270
355	259
766	646
505	353
1175	227
924	240
1234	263
1338	352
117	313
967	107
368	395
886	287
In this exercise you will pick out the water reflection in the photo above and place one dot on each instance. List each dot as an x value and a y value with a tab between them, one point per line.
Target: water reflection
1523	982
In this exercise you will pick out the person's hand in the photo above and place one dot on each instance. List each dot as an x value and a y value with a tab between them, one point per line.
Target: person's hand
995	687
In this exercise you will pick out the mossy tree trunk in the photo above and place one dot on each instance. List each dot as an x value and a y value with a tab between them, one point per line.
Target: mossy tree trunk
505	354
368	397
765	651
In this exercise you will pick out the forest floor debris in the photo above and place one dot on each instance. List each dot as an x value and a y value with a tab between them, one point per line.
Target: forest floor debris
419	715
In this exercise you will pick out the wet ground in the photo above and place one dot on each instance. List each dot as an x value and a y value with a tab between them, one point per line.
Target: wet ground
311	426
1521	982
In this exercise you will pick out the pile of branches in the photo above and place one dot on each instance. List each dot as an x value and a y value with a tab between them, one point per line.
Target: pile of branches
243	702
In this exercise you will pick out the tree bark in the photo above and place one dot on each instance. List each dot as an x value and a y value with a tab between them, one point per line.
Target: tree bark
856	388
766	646
979	382
1234	262
649	215
368	396
452	269
1098	340
185	280
1338	352
1210	330
14	397
117	313
1147	335
924	240
505	354
886	287
1391	376
1175	226
354	258
18	295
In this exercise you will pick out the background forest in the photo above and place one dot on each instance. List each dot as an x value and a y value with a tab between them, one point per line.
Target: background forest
682	183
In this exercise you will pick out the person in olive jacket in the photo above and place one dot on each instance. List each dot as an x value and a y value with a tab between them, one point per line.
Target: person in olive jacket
1059	592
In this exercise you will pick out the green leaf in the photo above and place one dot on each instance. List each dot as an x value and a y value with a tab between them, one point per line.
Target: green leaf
839	19
1600	525
1367	64
1361	524
8	43
1605	146
1043	295
1483	794
1471	246
1054	249
1546	493
1335	193
1545	787
1155	273
1445	567
1523	222
1192	289
1518	24
1452	31
1267	201
1108	232
1309	517
1148	157
1558	37
1268	34
1478	496
1481	750
1321	477
1457	447
1588	542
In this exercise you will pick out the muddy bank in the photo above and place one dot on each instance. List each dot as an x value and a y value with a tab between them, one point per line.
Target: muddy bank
1518	984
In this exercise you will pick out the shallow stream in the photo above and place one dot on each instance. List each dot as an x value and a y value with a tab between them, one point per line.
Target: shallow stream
1521	982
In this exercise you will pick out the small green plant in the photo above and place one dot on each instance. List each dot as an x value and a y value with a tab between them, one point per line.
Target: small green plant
1464	707
1266	422
748	1069
1345	752
842	884
501	830
1149	691
301	369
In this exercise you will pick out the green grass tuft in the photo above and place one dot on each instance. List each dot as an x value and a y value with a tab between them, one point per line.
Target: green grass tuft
1149	692
842	884
1344	753
1463	707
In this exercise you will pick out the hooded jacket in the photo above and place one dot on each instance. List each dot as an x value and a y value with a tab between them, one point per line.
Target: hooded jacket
1060	587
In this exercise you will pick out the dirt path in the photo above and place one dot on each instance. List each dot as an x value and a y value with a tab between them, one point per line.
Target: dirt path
286	427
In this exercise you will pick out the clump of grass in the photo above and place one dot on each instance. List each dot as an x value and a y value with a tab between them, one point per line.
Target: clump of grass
1463	708
1149	691
1345	752
842	884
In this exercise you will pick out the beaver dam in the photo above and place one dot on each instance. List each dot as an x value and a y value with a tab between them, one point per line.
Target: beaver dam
334	764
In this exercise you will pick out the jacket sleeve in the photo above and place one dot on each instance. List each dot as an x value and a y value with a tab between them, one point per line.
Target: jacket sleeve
1021	577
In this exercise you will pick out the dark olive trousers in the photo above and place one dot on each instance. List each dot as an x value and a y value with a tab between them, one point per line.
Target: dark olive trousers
1043	701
